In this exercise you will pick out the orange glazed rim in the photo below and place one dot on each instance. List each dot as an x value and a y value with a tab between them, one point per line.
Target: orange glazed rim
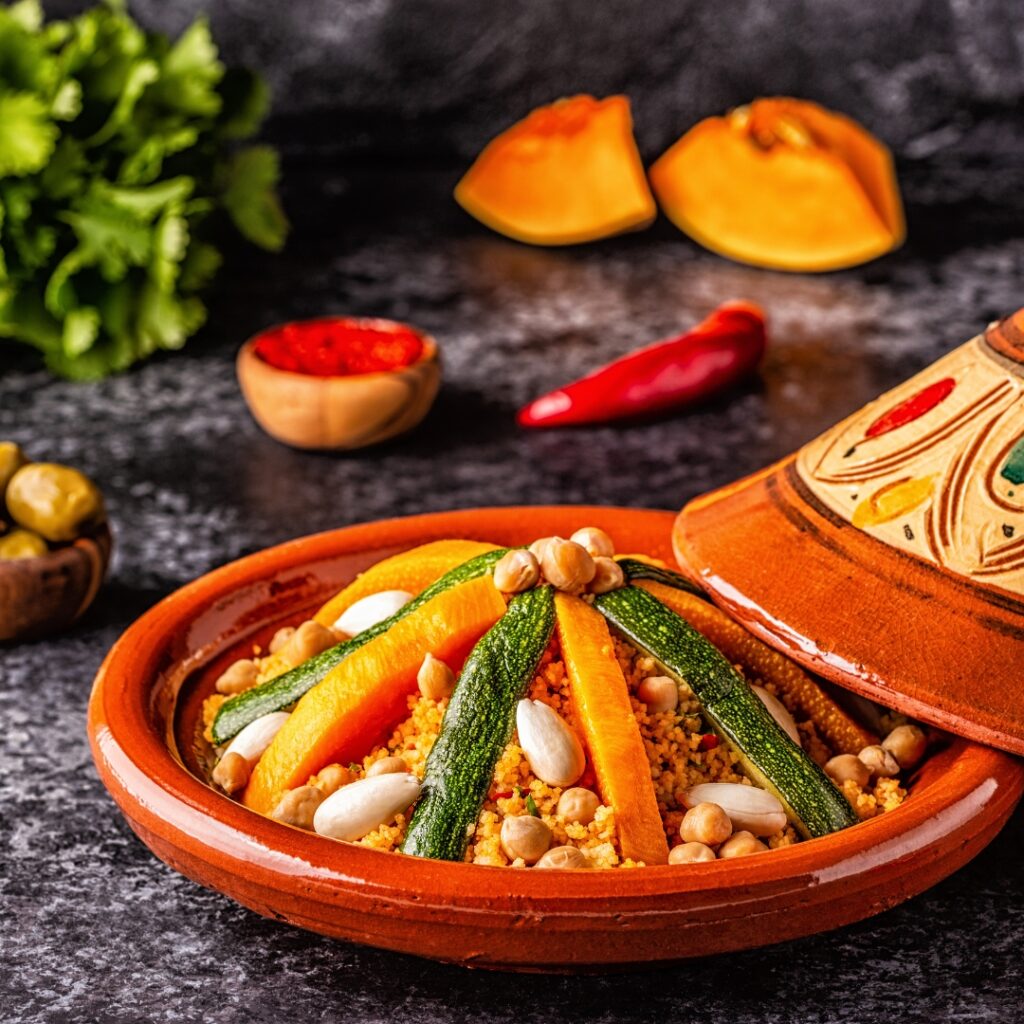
471	914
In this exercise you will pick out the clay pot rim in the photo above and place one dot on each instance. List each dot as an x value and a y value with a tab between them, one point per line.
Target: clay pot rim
430	353
148	781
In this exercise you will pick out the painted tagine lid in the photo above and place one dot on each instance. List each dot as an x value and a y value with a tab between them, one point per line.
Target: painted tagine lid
888	554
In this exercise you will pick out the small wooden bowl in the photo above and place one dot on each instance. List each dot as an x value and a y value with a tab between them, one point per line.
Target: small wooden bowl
147	701
47	594
339	413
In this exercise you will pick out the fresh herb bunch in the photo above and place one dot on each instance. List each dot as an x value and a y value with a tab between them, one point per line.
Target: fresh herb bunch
116	152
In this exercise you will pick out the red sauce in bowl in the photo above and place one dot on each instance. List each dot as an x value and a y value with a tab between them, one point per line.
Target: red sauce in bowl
339	346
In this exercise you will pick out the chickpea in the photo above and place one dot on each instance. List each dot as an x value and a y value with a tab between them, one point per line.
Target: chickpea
298	806
435	679
608	575
567	566
22	544
595	540
690	853
231	773
907	743
280	639
563	857
57	502
526	837
387	766
12	458
741	844
705	823
847	766
330	779
879	762
237	677
578	804
517	571
659	693
539	546
309	640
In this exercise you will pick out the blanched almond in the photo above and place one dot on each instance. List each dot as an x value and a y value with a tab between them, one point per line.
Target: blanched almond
748	808
257	736
779	712
370	610
360	807
555	754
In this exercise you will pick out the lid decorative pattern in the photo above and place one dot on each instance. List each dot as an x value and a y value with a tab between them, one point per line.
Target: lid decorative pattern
935	467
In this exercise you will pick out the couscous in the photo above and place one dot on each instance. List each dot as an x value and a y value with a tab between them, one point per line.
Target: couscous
599	757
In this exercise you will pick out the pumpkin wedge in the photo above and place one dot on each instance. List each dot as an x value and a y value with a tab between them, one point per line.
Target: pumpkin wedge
412	571
764	664
568	172
783	183
601	703
364	696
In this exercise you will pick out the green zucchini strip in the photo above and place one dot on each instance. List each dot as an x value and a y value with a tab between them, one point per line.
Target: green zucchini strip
637	570
769	757
284	690
478	725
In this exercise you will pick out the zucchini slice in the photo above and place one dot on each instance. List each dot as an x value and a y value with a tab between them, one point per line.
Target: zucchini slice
478	725
634	569
770	758
284	690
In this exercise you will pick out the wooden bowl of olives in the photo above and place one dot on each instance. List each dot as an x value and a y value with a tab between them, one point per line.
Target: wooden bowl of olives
54	545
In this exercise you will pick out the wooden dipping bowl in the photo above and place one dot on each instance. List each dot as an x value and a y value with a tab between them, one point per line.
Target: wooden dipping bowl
144	712
339	413
47	594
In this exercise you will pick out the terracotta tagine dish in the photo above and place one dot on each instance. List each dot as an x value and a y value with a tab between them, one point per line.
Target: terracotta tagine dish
339	383
320	854
906	521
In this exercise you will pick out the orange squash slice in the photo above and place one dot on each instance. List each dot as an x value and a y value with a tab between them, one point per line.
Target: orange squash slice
764	665
364	696
600	699
412	571
569	172
783	183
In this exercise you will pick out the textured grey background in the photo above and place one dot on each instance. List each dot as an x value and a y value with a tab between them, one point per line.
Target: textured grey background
94	928
439	77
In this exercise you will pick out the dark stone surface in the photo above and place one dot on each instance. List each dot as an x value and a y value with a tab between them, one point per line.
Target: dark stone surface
442	76
96	929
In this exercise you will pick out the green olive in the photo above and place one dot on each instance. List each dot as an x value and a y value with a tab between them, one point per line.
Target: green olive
57	502
12	458
22	544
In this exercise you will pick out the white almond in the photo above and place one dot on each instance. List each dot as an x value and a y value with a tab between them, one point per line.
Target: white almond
555	754
360	807
370	610
779	712
256	736
749	809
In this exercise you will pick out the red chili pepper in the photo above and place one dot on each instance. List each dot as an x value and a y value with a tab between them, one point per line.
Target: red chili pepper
716	353
708	741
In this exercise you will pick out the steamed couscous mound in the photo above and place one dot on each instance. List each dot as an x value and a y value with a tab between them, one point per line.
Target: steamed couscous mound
681	750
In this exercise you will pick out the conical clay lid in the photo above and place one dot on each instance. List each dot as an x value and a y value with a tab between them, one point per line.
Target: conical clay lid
888	553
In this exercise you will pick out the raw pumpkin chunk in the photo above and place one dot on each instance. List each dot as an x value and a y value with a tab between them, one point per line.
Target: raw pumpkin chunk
783	183
364	696
412	571
600	698
765	665
569	172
